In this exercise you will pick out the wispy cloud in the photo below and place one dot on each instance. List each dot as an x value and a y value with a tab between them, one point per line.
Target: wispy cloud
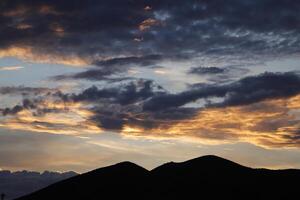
11	68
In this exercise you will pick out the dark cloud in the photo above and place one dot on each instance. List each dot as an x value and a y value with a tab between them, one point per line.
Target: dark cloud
117	119
115	107
257	88
223	74
35	105
115	69
206	70
125	94
26	104
103	74
97	31
12	111
32	97
245	91
132	60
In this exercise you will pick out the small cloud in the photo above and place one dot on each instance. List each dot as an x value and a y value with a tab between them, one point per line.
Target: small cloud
206	70
23	26
133	71
138	39
148	8
160	72
148	23
11	68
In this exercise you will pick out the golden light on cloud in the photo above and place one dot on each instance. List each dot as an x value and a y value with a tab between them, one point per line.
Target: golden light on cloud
269	124
23	26
27	54
148	23
66	119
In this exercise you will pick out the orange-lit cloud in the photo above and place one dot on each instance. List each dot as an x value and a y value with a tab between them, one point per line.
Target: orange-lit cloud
67	119
27	10
28	54
269	124
148	23
23	26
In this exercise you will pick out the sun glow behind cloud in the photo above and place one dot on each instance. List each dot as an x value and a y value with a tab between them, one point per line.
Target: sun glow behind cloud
67	119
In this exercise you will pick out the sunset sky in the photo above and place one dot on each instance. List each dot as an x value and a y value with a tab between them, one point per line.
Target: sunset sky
88	83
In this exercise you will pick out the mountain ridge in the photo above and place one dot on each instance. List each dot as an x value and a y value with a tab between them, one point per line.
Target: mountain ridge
19	183
211	177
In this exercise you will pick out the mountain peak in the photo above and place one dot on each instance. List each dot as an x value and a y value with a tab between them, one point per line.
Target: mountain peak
211	159
207	162
125	167
128	164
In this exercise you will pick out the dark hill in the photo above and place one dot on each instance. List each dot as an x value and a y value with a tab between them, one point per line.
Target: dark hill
207	177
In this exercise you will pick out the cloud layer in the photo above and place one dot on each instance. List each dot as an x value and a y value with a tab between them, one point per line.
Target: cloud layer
121	31
259	109
209	46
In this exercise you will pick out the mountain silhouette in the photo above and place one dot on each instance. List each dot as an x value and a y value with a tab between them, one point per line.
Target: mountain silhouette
20	183
207	177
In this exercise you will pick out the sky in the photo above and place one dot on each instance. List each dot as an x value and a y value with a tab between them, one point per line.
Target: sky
87	83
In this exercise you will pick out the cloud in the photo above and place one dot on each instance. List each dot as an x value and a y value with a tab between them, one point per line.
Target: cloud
43	110
222	74
72	113
27	104
11	68
115	69
125	94
206	70
245	91
131	60
52	117
87	32
148	23
30	54
261	109
103	74
269	124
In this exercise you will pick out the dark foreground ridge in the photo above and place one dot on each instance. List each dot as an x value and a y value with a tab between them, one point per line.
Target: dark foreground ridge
208	177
